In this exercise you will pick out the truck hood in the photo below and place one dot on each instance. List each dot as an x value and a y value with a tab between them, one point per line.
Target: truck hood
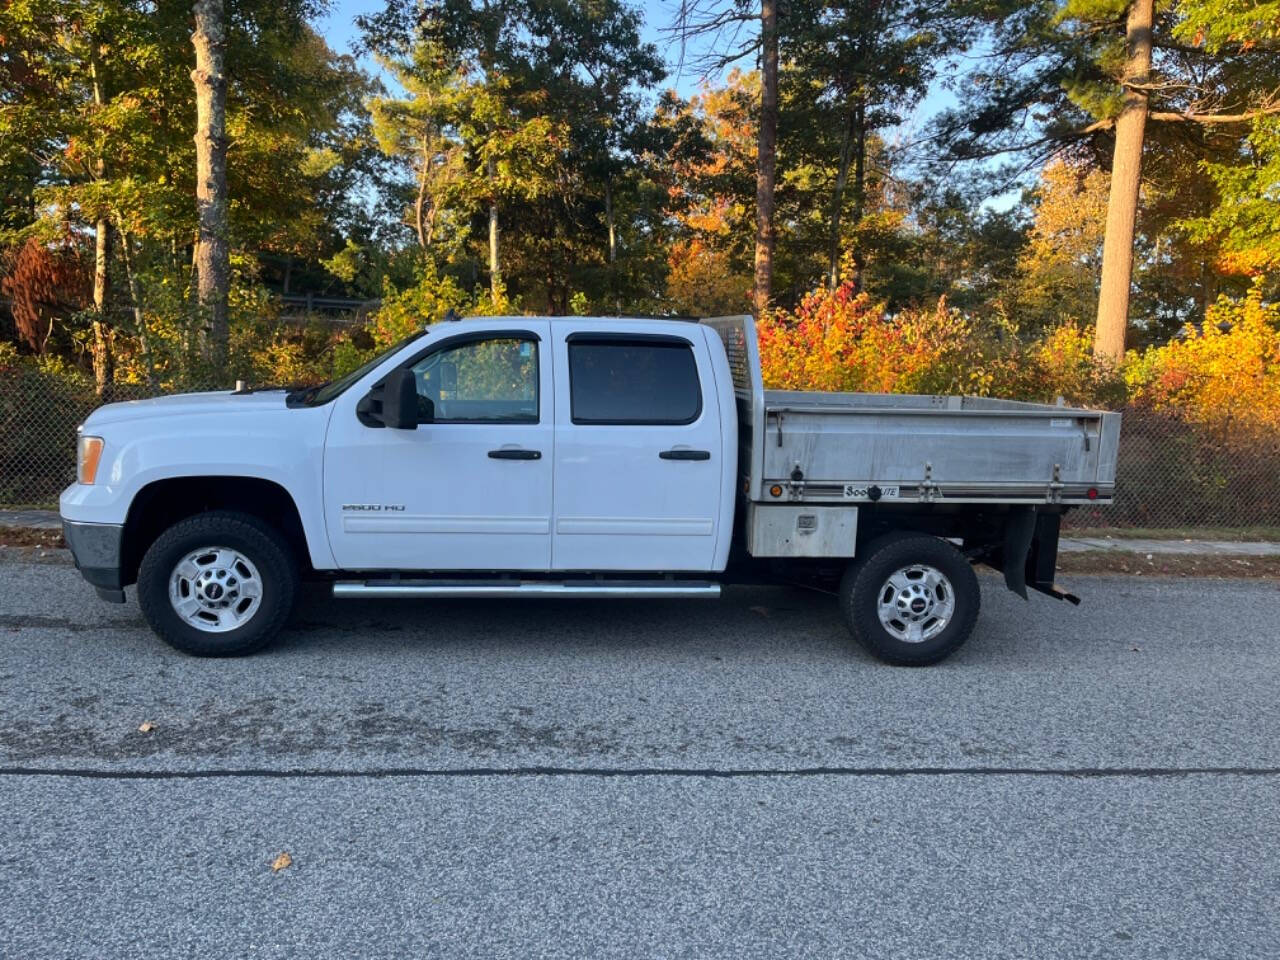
220	403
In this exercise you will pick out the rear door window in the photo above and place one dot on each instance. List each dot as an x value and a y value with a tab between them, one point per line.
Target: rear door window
633	381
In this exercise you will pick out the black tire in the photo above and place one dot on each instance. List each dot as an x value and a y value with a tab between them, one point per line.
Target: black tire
866	582
257	542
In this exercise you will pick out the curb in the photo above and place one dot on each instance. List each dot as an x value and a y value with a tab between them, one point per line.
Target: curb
31	519
1176	548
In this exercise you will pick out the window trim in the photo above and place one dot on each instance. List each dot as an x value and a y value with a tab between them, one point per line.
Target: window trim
614	338
480	336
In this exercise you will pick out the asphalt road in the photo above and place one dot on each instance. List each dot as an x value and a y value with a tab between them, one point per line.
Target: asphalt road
656	779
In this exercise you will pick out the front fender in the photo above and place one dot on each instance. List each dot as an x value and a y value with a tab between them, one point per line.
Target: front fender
285	448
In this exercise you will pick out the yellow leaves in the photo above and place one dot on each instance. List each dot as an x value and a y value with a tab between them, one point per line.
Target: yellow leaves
318	162
1226	374
146	727
1057	271
282	862
702	281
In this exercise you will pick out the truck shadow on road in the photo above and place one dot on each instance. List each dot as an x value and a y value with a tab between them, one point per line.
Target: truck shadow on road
743	619
745	623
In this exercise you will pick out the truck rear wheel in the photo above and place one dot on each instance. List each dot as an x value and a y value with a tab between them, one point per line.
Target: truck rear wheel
912	600
219	584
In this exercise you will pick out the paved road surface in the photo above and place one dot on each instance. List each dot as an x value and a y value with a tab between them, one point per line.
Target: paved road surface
658	779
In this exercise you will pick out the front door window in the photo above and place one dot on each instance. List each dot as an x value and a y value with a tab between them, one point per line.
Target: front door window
485	381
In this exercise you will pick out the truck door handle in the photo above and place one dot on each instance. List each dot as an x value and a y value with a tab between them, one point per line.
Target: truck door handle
512	453
685	454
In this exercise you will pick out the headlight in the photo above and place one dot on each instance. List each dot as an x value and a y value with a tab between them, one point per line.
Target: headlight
88	454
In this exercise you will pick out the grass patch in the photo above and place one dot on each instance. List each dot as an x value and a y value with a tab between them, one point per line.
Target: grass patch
31	537
1169	565
1232	534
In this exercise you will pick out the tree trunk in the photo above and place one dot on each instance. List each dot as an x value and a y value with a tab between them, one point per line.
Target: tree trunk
766	155
213	256
139	320
837	204
104	364
495	269
419	204
1122	204
613	246
859	186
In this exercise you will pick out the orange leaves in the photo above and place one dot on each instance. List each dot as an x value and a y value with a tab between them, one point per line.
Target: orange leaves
1247	262
702	280
841	340
43	281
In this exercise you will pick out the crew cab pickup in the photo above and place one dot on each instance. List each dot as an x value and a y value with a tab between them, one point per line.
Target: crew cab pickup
576	457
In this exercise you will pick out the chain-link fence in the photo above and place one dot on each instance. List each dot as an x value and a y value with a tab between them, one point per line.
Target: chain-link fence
1172	475
39	412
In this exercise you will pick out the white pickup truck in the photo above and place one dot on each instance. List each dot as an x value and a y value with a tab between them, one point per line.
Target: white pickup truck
575	457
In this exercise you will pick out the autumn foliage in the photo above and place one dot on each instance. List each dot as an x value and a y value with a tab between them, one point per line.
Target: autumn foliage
1224	376
842	340
43	282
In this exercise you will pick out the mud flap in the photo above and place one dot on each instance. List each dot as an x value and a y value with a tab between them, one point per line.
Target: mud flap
1029	556
1015	557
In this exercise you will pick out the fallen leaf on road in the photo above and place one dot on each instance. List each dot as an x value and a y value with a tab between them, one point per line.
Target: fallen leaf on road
281	862
146	727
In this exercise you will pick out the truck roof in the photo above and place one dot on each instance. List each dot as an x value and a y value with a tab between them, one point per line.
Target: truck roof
472	321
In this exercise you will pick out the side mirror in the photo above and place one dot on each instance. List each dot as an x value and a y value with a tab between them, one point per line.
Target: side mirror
400	400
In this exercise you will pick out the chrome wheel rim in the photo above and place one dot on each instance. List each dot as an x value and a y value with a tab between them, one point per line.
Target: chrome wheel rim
215	589
916	603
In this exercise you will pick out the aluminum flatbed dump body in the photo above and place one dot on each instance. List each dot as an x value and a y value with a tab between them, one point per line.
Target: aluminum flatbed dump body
930	448
855	447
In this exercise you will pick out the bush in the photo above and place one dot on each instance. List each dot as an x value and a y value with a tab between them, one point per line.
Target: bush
842	340
839	340
1225	378
405	311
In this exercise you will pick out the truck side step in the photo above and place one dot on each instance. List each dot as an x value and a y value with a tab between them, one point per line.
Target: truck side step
576	589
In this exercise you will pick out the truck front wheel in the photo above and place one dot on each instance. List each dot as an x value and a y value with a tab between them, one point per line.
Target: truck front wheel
219	584
912	600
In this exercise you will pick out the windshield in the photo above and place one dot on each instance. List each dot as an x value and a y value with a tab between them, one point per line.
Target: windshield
318	396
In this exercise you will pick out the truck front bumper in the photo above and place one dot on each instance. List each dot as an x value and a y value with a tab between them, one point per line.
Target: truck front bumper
96	550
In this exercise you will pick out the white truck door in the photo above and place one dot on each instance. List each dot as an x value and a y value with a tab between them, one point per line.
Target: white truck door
638	448
470	488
